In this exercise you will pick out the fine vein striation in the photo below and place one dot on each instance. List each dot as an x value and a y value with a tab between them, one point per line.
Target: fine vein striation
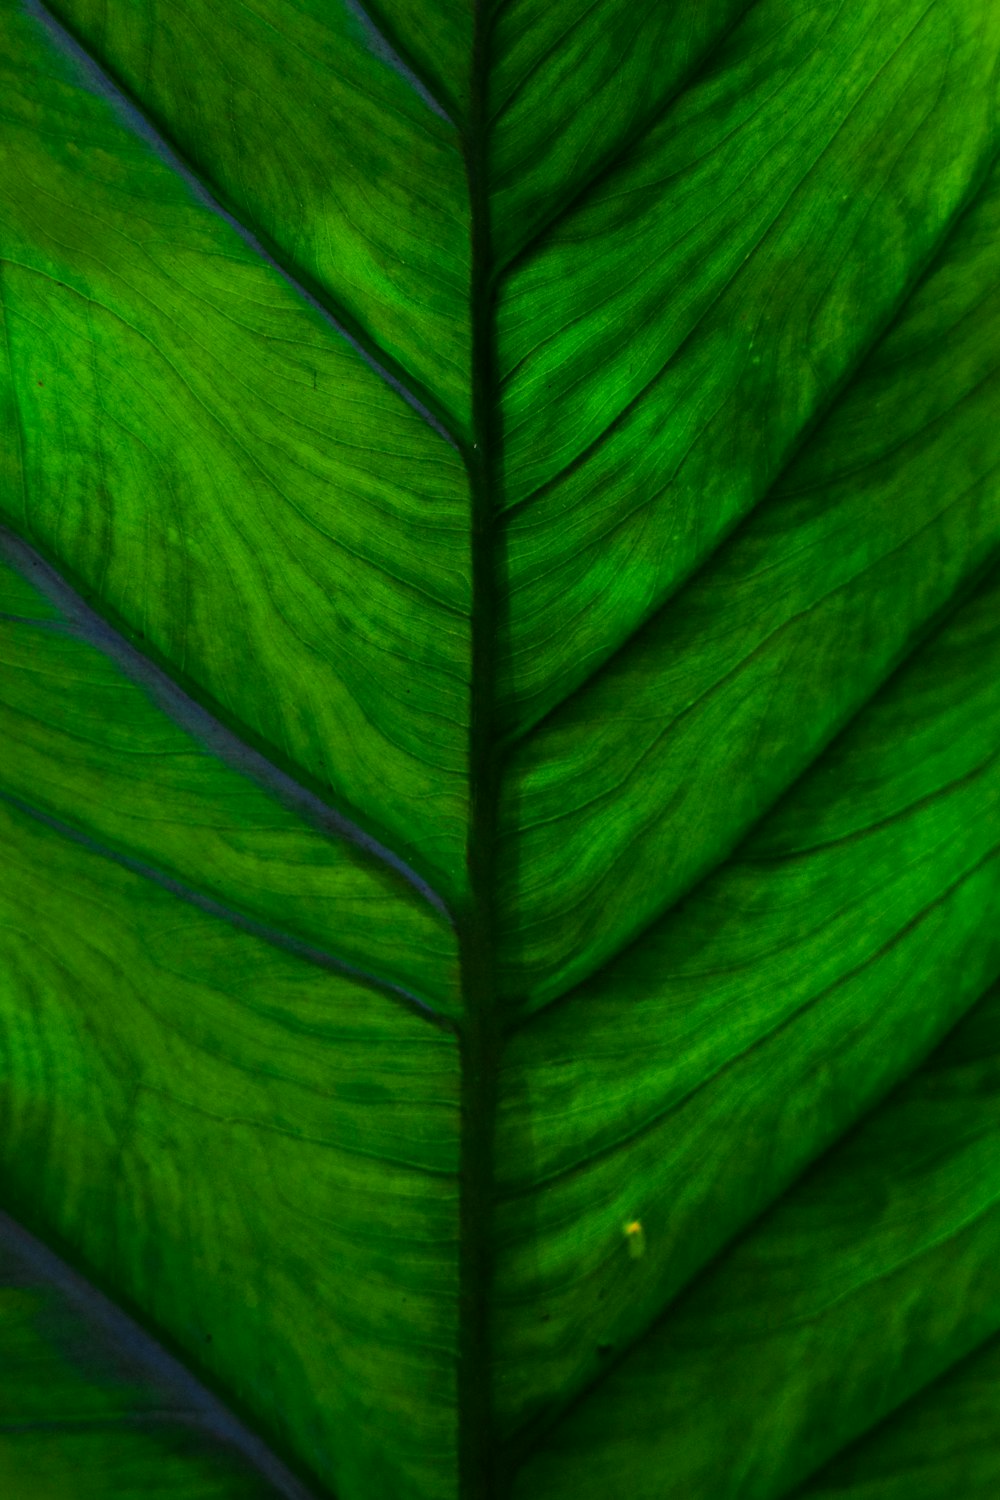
192	716
90	1330
268	934
102	83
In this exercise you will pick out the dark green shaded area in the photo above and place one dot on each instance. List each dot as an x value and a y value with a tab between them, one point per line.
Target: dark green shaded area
691	1081
941	1443
892	1239
90	1407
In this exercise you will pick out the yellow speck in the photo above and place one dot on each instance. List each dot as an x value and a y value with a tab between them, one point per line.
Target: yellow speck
636	1239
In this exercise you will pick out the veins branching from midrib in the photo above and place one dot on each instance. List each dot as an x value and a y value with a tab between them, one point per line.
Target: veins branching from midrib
104	81
479	1032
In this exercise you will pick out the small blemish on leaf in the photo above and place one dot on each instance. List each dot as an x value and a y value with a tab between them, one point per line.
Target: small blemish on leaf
605	1349
635	1238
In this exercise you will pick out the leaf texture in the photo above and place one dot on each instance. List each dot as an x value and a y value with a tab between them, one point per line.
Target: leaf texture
500	791
91	1407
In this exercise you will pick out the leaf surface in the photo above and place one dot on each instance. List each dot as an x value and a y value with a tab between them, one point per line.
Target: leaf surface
500	799
92	1407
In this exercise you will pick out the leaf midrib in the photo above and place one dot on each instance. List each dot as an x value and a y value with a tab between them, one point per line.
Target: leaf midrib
479	1033
479	1039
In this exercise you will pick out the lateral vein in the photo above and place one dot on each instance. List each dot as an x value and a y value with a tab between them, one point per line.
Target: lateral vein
796	448
384	49
319	957
105	85
197	720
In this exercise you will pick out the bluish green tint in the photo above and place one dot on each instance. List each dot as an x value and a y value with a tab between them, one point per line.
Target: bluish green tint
91	1408
292	137
87	745
500	747
155	364
259	1153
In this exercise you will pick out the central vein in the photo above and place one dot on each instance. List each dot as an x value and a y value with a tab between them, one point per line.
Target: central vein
479	1031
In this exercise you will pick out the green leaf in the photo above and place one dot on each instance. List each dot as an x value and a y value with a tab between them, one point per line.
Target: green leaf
91	1406
500	786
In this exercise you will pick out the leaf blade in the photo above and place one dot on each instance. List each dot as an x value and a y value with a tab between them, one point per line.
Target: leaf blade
289	113
705	580
689	1083
147	768
733	690
232	586
273	1117
906	1212
91	1405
